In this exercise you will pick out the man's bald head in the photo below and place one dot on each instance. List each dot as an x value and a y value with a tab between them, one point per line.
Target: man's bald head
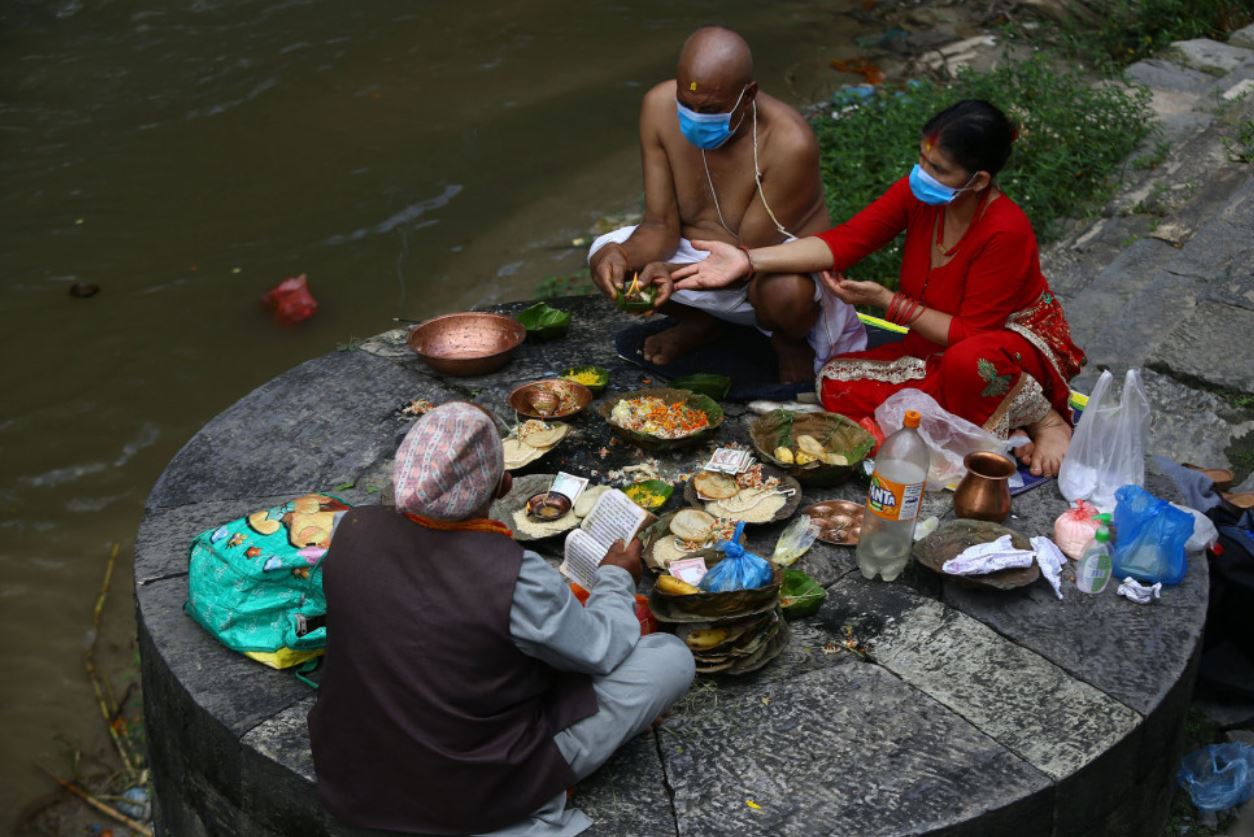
716	58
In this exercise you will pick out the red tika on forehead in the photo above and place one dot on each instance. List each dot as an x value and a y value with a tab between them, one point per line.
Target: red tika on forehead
930	141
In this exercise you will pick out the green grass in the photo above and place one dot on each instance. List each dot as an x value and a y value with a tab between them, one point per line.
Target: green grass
1073	139
1119	32
1241	147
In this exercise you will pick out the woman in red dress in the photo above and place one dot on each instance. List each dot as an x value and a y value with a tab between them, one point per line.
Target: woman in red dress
988	339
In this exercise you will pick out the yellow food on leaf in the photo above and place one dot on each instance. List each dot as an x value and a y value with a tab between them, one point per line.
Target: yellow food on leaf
675	587
811	446
834	459
784	455
703	638
804	458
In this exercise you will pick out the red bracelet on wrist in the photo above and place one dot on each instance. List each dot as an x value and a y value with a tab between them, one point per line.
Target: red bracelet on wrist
894	307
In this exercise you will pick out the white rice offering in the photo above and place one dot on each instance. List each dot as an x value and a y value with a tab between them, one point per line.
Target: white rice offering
752	505
542	528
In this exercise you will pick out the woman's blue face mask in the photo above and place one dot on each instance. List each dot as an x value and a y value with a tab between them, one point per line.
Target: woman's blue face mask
707	130
931	191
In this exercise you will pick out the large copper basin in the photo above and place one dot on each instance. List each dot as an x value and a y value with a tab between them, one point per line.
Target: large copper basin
467	343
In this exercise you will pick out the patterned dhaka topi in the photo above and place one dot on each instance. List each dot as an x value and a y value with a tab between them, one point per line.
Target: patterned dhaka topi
450	463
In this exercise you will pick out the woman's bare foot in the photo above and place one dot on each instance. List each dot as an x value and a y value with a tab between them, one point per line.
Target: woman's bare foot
795	357
1050	438
691	331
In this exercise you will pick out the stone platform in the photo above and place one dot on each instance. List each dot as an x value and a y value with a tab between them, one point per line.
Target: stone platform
969	713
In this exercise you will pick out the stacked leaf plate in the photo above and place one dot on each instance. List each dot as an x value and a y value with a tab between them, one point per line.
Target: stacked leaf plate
728	633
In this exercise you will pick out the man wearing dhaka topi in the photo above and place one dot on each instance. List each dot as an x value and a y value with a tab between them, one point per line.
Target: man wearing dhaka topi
725	162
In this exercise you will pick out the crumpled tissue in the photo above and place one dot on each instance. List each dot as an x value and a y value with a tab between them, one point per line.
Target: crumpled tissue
989	557
1001	554
1135	591
1051	559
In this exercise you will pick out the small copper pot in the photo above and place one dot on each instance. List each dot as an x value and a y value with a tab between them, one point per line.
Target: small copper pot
984	493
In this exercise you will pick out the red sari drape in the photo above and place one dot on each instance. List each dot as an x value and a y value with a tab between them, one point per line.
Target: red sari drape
1010	354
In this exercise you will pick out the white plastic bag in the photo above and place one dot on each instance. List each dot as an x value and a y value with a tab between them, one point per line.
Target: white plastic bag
948	437
1108	448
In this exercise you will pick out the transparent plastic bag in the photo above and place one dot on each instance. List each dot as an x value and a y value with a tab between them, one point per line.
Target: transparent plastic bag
1108	448
794	541
1218	777
948	437
1150	535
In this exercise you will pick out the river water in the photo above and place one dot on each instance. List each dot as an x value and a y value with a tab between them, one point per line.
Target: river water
411	157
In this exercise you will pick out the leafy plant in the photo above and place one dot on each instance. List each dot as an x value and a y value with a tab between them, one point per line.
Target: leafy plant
1114	33
1241	148
1072	138
575	284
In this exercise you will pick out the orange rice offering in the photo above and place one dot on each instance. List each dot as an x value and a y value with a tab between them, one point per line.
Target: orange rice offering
655	417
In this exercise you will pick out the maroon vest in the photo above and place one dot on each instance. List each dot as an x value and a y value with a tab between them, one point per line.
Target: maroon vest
429	719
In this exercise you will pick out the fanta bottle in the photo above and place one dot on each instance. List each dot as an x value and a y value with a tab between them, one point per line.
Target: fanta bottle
893	501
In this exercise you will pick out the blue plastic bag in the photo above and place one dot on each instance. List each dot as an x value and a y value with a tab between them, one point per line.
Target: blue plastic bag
1218	777
1150	535
739	570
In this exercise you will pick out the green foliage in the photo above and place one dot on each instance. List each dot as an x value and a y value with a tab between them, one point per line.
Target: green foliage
1241	147
1120	32
1072	139
1154	159
576	284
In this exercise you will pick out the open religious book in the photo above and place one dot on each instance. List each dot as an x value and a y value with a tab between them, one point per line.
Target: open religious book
614	517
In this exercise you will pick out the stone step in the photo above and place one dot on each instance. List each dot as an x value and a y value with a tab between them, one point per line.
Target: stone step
1210	56
1243	38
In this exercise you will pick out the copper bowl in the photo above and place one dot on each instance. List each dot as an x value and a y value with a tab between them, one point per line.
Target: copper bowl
467	343
548	506
544	399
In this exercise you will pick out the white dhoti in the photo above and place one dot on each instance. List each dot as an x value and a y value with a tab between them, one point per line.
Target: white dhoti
837	330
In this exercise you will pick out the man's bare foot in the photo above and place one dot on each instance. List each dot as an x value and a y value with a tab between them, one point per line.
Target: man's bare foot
690	332
1050	438
795	357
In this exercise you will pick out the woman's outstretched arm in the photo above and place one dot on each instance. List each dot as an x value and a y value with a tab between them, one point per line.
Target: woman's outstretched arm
727	264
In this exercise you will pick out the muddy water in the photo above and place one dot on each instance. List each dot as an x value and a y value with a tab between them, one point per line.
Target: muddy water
411	158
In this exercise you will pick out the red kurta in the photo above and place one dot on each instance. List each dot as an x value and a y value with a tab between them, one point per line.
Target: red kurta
1010	353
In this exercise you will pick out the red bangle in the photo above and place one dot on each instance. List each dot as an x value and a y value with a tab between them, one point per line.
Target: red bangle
892	307
898	308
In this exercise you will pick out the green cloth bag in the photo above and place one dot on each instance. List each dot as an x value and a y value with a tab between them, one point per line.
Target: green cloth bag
255	583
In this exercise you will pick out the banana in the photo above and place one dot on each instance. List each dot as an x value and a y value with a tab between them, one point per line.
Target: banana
704	638
784	455
674	587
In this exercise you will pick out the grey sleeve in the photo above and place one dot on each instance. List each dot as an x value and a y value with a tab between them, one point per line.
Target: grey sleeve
547	622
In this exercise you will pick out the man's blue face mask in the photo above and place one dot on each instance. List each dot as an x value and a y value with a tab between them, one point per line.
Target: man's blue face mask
931	191
707	130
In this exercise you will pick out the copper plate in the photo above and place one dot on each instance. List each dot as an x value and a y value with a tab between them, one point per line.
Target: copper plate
534	399
467	343
839	521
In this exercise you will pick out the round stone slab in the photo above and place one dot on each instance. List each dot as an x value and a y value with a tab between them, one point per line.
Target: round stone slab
916	707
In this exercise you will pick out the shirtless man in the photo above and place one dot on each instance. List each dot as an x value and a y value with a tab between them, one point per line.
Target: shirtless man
702	137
